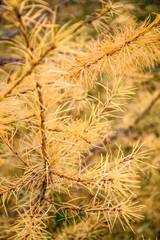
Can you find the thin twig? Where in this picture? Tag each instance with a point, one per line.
(22, 27)
(20, 120)
(83, 208)
(20, 183)
(13, 151)
(147, 110)
(4, 61)
(92, 179)
(90, 21)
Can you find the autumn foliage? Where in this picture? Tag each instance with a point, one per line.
(64, 91)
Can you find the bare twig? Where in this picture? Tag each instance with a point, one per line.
(4, 61)
(147, 109)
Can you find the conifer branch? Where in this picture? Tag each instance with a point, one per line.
(90, 21)
(17, 185)
(99, 177)
(14, 152)
(125, 130)
(40, 197)
(85, 22)
(83, 209)
(13, 34)
(80, 179)
(114, 48)
(67, 119)
(5, 61)
(9, 89)
(100, 209)
(76, 179)
(21, 119)
(94, 61)
(96, 117)
(42, 125)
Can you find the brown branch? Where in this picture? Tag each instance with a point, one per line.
(42, 126)
(74, 179)
(93, 179)
(37, 203)
(103, 210)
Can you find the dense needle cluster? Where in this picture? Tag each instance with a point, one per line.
(58, 104)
